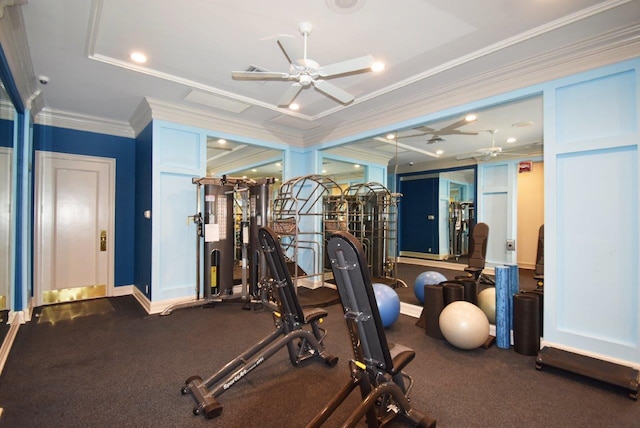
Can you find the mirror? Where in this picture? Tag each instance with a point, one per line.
(438, 160)
(7, 116)
(237, 159)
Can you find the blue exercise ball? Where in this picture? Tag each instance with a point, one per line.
(388, 303)
(426, 278)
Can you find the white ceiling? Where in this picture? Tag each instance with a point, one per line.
(437, 53)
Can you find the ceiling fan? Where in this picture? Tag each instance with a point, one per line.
(305, 72)
(452, 129)
(487, 153)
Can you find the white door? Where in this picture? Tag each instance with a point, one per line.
(74, 227)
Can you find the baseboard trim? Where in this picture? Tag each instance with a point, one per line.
(432, 263)
(5, 349)
(123, 290)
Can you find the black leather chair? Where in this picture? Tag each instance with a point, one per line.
(538, 274)
(477, 254)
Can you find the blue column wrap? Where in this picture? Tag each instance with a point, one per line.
(503, 297)
(514, 288)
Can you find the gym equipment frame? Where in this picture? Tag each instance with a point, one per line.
(216, 226)
(375, 369)
(290, 321)
(372, 219)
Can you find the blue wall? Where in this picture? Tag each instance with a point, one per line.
(6, 133)
(123, 150)
(143, 202)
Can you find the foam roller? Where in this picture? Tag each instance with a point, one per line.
(433, 305)
(526, 324)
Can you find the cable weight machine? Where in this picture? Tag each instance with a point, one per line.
(216, 225)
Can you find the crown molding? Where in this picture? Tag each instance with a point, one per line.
(62, 119)
(190, 116)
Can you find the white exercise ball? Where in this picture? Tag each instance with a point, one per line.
(487, 302)
(464, 325)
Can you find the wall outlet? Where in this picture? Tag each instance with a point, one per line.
(511, 244)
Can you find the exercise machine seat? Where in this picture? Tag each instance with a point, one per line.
(296, 329)
(377, 368)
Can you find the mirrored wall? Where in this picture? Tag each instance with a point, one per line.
(433, 169)
(7, 116)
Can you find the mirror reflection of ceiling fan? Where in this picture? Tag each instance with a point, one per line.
(452, 129)
(487, 153)
(305, 72)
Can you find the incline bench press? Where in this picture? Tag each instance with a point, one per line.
(290, 321)
(375, 369)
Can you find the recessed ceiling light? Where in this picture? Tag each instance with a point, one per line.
(324, 171)
(254, 170)
(345, 6)
(294, 106)
(138, 57)
(470, 117)
(377, 66)
(511, 140)
(222, 141)
(356, 166)
(439, 152)
(391, 136)
(278, 164)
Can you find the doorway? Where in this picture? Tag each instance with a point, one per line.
(74, 227)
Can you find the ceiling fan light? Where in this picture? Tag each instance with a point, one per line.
(512, 140)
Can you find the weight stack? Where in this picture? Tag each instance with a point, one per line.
(526, 324)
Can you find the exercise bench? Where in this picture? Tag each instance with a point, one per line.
(376, 367)
(296, 328)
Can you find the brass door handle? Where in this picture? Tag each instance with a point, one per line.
(103, 240)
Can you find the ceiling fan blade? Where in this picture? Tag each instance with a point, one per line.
(456, 132)
(290, 95)
(333, 91)
(453, 126)
(259, 75)
(469, 156)
(350, 66)
(289, 48)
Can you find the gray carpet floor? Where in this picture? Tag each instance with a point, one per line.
(113, 365)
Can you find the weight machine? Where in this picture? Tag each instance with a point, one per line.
(218, 227)
(371, 211)
(461, 220)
